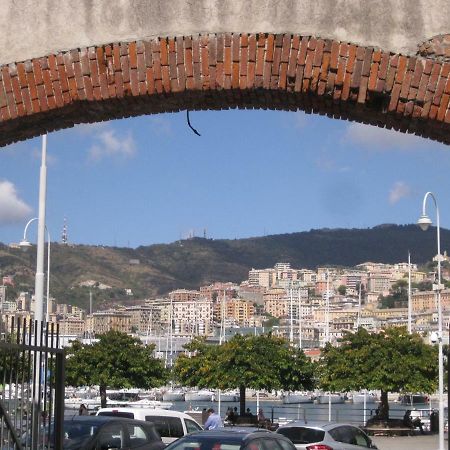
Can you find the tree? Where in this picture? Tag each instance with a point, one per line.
(398, 296)
(342, 289)
(115, 361)
(257, 362)
(390, 361)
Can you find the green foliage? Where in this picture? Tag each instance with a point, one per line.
(390, 361)
(116, 361)
(398, 298)
(258, 362)
(271, 321)
(342, 289)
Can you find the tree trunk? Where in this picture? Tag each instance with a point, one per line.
(103, 396)
(383, 413)
(242, 400)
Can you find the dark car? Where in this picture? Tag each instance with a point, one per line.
(102, 433)
(232, 439)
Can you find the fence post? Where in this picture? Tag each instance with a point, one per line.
(59, 400)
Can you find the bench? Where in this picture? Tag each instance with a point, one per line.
(389, 431)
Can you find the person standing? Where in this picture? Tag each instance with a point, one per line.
(214, 421)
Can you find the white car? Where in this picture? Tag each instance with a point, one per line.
(170, 425)
(326, 436)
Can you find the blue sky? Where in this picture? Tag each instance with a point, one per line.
(151, 180)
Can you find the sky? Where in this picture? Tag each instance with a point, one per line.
(150, 179)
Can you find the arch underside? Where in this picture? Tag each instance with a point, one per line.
(220, 71)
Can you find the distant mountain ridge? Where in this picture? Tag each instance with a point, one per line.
(198, 261)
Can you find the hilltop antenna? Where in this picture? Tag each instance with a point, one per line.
(64, 235)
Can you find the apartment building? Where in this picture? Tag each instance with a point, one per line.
(192, 317)
(423, 301)
(112, 320)
(71, 326)
(184, 295)
(219, 290)
(380, 282)
(239, 310)
(276, 303)
(262, 277)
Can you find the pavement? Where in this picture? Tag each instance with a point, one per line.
(428, 442)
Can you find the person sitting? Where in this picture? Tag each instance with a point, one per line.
(412, 423)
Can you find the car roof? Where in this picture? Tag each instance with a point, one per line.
(103, 419)
(319, 425)
(243, 432)
(147, 411)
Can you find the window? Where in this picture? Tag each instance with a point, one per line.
(255, 444)
(170, 427)
(191, 426)
(110, 436)
(361, 438)
(127, 415)
(302, 435)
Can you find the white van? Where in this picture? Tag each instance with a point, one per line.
(170, 425)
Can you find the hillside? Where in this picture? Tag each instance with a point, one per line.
(191, 263)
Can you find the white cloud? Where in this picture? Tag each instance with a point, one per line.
(12, 208)
(375, 138)
(398, 191)
(109, 144)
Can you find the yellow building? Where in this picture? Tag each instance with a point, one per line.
(426, 301)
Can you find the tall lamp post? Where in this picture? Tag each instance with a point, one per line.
(424, 222)
(25, 244)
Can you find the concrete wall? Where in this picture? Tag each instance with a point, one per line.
(34, 28)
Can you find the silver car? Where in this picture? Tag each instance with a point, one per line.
(326, 436)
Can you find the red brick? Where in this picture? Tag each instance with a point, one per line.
(401, 69)
(132, 52)
(286, 47)
(227, 61)
(373, 77)
(270, 47)
(394, 97)
(363, 90)
(334, 55)
(302, 53)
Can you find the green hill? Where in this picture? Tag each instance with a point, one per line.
(195, 262)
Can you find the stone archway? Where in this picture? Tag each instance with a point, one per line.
(226, 70)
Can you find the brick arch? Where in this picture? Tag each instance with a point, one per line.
(281, 71)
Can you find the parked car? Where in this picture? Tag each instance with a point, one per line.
(94, 432)
(326, 436)
(170, 425)
(235, 438)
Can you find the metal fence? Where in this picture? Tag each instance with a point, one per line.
(32, 385)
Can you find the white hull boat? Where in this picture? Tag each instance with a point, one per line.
(297, 397)
(198, 396)
(329, 398)
(176, 395)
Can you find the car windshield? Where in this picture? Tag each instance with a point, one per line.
(207, 443)
(76, 434)
(302, 435)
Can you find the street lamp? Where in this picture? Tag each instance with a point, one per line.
(424, 222)
(25, 244)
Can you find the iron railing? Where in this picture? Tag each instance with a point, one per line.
(32, 385)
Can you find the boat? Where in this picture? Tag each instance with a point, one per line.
(173, 395)
(358, 397)
(199, 396)
(226, 396)
(329, 398)
(147, 403)
(297, 397)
